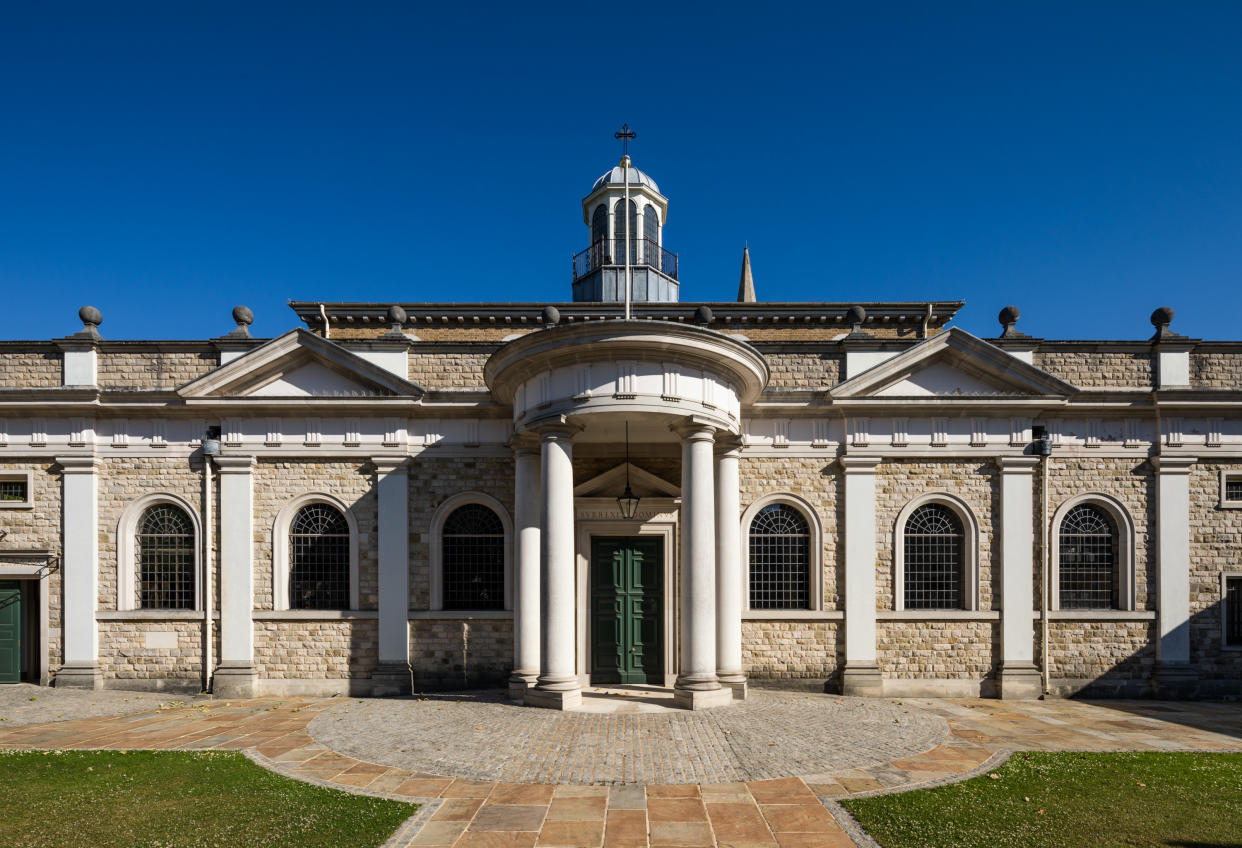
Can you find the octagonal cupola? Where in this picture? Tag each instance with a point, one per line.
(616, 239)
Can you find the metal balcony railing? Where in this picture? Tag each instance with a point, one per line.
(611, 252)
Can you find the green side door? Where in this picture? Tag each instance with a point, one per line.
(627, 609)
(10, 632)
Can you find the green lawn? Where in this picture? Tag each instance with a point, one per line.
(177, 799)
(1041, 800)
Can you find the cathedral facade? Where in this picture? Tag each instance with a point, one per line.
(623, 489)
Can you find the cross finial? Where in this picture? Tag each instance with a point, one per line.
(625, 135)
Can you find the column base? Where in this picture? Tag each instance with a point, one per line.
(234, 680)
(862, 680)
(392, 679)
(552, 699)
(1020, 681)
(519, 684)
(702, 699)
(736, 682)
(79, 676)
(1175, 682)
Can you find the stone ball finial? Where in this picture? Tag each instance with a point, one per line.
(396, 315)
(1162, 317)
(855, 316)
(551, 316)
(703, 315)
(91, 317)
(243, 316)
(1009, 316)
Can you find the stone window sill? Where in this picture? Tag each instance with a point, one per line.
(313, 615)
(793, 615)
(1100, 615)
(459, 615)
(938, 615)
(152, 615)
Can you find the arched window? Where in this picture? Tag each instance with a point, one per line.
(1088, 559)
(651, 236)
(165, 549)
(779, 558)
(933, 561)
(319, 573)
(618, 232)
(599, 224)
(473, 559)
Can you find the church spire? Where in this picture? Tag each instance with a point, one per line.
(746, 287)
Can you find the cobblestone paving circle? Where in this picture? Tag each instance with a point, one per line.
(770, 735)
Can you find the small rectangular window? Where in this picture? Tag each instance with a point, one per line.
(1231, 488)
(14, 490)
(1233, 611)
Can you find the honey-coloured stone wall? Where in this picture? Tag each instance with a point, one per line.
(1104, 657)
(315, 649)
(152, 370)
(460, 653)
(1216, 370)
(939, 650)
(1098, 369)
(803, 370)
(127, 658)
(791, 650)
(1215, 548)
(29, 368)
(453, 370)
(38, 528)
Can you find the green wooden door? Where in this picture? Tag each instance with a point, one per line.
(627, 609)
(10, 632)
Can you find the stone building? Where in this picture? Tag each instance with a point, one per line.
(692, 495)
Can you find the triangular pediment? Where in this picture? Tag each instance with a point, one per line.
(611, 484)
(299, 364)
(953, 364)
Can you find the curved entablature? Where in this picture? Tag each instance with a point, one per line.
(627, 367)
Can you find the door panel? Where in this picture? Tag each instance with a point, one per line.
(10, 632)
(627, 609)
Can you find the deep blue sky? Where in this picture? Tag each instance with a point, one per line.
(166, 161)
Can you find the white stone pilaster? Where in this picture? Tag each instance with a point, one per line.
(80, 570)
(1019, 678)
(557, 685)
(235, 677)
(861, 675)
(527, 502)
(1175, 677)
(392, 673)
(729, 587)
(697, 686)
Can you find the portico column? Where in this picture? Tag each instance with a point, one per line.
(729, 571)
(1175, 677)
(862, 674)
(526, 507)
(392, 673)
(557, 685)
(235, 677)
(80, 571)
(1019, 678)
(697, 686)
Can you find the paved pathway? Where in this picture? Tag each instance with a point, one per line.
(770, 813)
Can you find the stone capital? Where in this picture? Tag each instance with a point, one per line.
(694, 429)
(389, 464)
(1017, 464)
(78, 464)
(234, 464)
(853, 464)
(1173, 464)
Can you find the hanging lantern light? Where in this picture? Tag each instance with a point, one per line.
(628, 502)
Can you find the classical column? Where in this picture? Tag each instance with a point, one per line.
(697, 686)
(392, 674)
(729, 571)
(1175, 676)
(1019, 678)
(235, 677)
(557, 685)
(861, 675)
(527, 498)
(80, 570)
